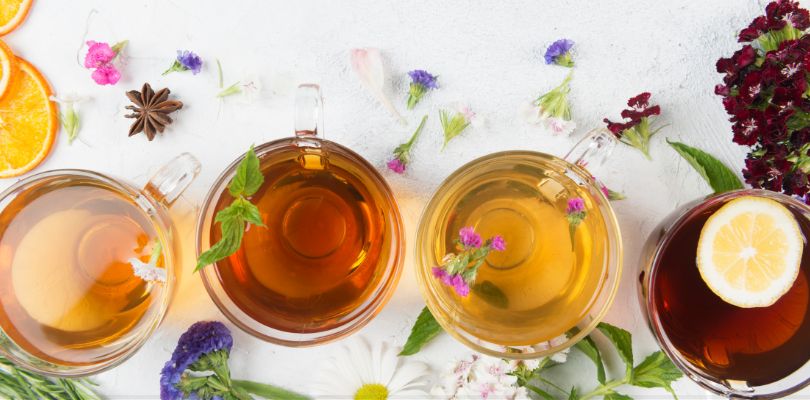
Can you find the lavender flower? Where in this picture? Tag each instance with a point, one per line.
(458, 271)
(560, 53)
(402, 154)
(186, 61)
(421, 82)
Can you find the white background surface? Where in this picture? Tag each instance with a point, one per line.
(488, 54)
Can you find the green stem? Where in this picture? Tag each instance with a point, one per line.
(552, 385)
(268, 391)
(604, 389)
(417, 132)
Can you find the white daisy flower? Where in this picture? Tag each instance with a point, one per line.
(371, 372)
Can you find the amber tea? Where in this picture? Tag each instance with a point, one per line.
(324, 246)
(543, 284)
(69, 294)
(751, 346)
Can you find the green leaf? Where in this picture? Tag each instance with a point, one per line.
(250, 213)
(656, 371)
(230, 90)
(491, 294)
(540, 392)
(219, 73)
(588, 347)
(233, 229)
(574, 395)
(716, 174)
(617, 396)
(612, 195)
(423, 331)
(116, 48)
(622, 340)
(70, 122)
(248, 178)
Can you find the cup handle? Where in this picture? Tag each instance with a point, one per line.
(172, 179)
(308, 111)
(593, 149)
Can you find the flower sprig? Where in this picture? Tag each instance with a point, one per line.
(637, 129)
(149, 271)
(17, 383)
(185, 61)
(421, 83)
(455, 122)
(68, 116)
(575, 213)
(101, 59)
(402, 153)
(552, 110)
(199, 368)
(234, 218)
(459, 270)
(559, 53)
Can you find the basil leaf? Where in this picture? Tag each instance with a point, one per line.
(424, 330)
(248, 178)
(622, 340)
(616, 396)
(657, 370)
(588, 347)
(491, 294)
(716, 174)
(233, 229)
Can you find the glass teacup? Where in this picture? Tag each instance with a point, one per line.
(87, 266)
(332, 249)
(741, 353)
(550, 287)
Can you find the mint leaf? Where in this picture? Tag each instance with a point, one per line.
(616, 396)
(248, 178)
(233, 229)
(716, 174)
(622, 340)
(656, 371)
(491, 294)
(588, 347)
(424, 330)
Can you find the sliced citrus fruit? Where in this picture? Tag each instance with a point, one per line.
(28, 122)
(12, 14)
(750, 251)
(8, 68)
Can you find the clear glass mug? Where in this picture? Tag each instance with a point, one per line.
(88, 311)
(679, 308)
(333, 222)
(543, 285)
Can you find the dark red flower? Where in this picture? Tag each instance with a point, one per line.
(617, 127)
(757, 27)
(640, 101)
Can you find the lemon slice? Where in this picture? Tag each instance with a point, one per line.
(750, 251)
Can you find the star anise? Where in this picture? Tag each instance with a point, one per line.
(151, 110)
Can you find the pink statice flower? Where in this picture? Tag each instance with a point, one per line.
(459, 271)
(402, 153)
(575, 205)
(396, 165)
(469, 238)
(497, 243)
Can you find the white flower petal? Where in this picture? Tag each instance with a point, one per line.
(408, 375)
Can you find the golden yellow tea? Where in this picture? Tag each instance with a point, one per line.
(543, 284)
(324, 246)
(69, 294)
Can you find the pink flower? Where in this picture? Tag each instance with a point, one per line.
(439, 273)
(99, 54)
(575, 205)
(460, 285)
(469, 238)
(498, 244)
(396, 165)
(106, 75)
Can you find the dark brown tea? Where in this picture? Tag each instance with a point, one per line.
(757, 346)
(323, 250)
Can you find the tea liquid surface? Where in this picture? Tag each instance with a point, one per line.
(542, 285)
(753, 345)
(317, 259)
(67, 291)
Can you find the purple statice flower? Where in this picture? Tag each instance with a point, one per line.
(186, 61)
(190, 61)
(421, 83)
(497, 243)
(559, 53)
(461, 286)
(396, 165)
(575, 205)
(202, 338)
(469, 238)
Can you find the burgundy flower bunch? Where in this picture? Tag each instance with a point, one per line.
(764, 91)
(636, 130)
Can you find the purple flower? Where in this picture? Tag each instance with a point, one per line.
(200, 339)
(575, 205)
(424, 79)
(469, 238)
(459, 285)
(190, 61)
(396, 165)
(559, 53)
(498, 244)
(439, 273)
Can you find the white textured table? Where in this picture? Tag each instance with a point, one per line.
(489, 54)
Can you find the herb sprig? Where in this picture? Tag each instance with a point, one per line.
(16, 383)
(234, 219)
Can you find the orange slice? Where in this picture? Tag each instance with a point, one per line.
(12, 14)
(8, 68)
(28, 122)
